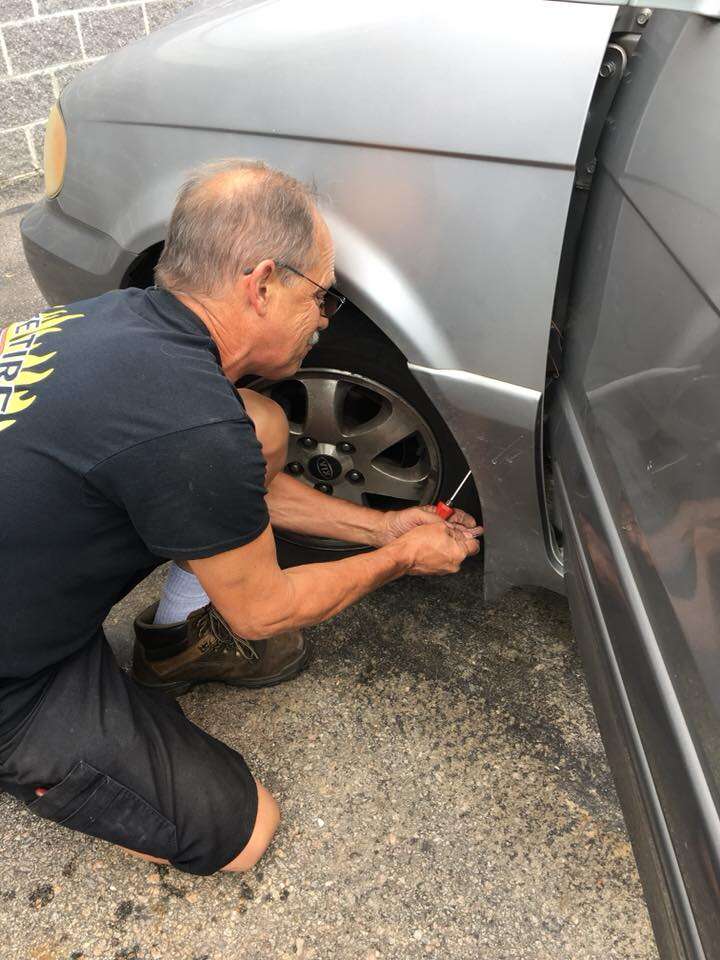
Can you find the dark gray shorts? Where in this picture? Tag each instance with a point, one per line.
(126, 765)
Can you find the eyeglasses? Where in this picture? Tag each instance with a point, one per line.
(329, 303)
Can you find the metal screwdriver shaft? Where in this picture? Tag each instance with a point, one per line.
(443, 508)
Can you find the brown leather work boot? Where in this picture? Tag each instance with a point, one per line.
(175, 657)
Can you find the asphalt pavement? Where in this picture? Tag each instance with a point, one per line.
(444, 790)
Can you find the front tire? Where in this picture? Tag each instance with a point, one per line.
(362, 428)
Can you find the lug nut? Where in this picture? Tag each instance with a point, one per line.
(324, 487)
(294, 468)
(306, 442)
(345, 447)
(354, 476)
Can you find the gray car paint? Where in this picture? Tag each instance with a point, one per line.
(638, 450)
(445, 144)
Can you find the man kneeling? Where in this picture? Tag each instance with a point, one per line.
(135, 448)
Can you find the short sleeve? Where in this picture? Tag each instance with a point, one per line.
(192, 493)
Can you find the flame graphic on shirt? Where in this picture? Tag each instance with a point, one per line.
(19, 361)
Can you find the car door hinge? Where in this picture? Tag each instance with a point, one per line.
(610, 74)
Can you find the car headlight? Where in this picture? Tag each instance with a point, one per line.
(55, 152)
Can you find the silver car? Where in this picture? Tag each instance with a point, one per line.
(525, 202)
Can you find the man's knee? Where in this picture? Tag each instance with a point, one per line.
(271, 428)
(266, 823)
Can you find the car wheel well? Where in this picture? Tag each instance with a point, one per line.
(141, 273)
(351, 340)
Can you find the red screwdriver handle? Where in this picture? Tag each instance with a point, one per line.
(443, 510)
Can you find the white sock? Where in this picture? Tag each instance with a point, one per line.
(181, 595)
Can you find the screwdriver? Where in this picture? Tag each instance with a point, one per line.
(443, 508)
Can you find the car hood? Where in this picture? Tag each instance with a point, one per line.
(441, 78)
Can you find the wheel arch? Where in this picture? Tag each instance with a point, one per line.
(141, 272)
(373, 284)
(374, 289)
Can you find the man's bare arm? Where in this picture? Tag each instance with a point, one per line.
(258, 599)
(295, 506)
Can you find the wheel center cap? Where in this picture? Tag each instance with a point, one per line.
(324, 468)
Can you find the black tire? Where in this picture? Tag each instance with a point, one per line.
(356, 346)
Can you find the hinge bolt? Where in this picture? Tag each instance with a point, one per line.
(643, 17)
(607, 69)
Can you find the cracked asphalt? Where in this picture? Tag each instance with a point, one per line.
(444, 791)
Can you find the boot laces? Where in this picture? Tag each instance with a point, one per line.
(210, 621)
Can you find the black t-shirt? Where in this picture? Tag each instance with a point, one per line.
(122, 444)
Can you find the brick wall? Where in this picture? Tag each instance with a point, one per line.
(43, 45)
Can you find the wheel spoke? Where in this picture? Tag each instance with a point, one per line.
(323, 418)
(334, 403)
(402, 483)
(388, 427)
(352, 492)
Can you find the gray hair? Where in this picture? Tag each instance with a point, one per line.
(217, 232)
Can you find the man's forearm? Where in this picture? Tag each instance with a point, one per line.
(259, 599)
(320, 594)
(295, 506)
(306, 595)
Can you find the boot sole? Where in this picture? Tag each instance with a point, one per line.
(177, 688)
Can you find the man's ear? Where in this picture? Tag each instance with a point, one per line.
(258, 285)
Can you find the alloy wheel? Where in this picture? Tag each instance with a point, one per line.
(354, 438)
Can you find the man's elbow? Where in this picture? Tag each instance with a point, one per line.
(265, 608)
(258, 625)
(259, 630)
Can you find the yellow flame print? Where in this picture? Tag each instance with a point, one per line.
(18, 360)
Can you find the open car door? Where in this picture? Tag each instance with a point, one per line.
(635, 444)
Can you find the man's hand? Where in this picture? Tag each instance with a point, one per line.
(396, 523)
(437, 548)
(297, 507)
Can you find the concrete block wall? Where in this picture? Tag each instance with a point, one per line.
(43, 45)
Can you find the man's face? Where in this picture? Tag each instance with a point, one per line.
(294, 320)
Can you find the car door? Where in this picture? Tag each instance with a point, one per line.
(635, 444)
